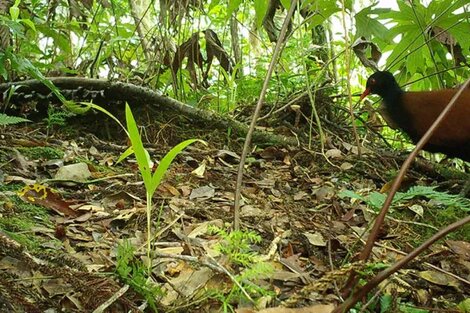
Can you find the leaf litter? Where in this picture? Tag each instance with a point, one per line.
(309, 234)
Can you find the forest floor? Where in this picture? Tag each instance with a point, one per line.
(75, 240)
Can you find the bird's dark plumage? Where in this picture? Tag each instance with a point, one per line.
(414, 112)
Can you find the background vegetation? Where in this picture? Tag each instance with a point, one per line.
(215, 53)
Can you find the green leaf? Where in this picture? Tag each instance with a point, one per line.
(14, 12)
(351, 194)
(285, 4)
(464, 306)
(386, 302)
(77, 108)
(261, 6)
(348, 5)
(143, 158)
(417, 58)
(325, 8)
(367, 26)
(8, 120)
(443, 9)
(139, 150)
(232, 6)
(213, 4)
(3, 70)
(458, 27)
(24, 65)
(60, 38)
(377, 199)
(28, 23)
(168, 158)
(401, 49)
(103, 110)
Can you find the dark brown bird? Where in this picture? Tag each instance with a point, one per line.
(414, 112)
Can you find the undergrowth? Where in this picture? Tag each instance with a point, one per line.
(133, 272)
(426, 209)
(237, 247)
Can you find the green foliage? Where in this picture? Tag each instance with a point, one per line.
(18, 218)
(406, 308)
(151, 182)
(261, 7)
(247, 280)
(36, 153)
(405, 33)
(133, 272)
(57, 117)
(386, 302)
(371, 27)
(376, 199)
(464, 306)
(236, 245)
(23, 65)
(443, 210)
(8, 120)
(443, 217)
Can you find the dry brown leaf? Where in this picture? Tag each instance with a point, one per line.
(45, 196)
(185, 190)
(333, 153)
(316, 239)
(171, 189)
(200, 170)
(204, 192)
(361, 47)
(462, 248)
(439, 278)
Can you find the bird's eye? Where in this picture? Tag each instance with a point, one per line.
(372, 81)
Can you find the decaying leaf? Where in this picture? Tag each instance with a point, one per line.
(361, 47)
(191, 49)
(448, 41)
(45, 196)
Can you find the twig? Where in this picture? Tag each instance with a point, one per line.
(362, 292)
(111, 300)
(249, 135)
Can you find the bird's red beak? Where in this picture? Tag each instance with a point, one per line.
(365, 93)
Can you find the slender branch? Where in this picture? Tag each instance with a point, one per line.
(277, 51)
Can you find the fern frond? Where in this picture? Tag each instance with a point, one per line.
(8, 120)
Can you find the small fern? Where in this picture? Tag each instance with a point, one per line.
(236, 245)
(441, 197)
(57, 117)
(8, 120)
(376, 199)
(132, 271)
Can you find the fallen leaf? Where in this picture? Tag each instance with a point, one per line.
(418, 209)
(439, 278)
(316, 239)
(462, 248)
(45, 196)
(204, 192)
(200, 170)
(333, 153)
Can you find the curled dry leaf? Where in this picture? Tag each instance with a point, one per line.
(360, 48)
(448, 41)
